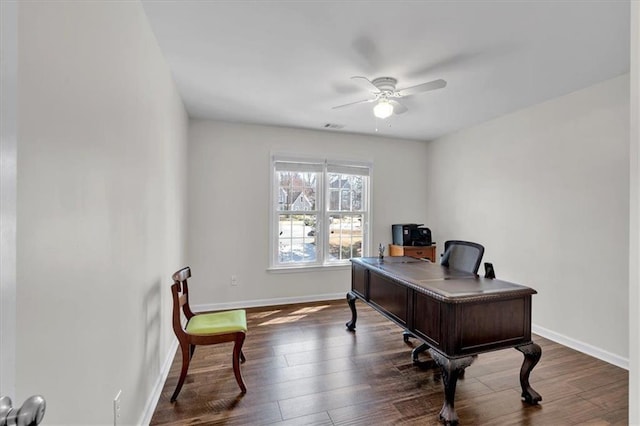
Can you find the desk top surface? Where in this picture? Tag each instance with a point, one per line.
(441, 282)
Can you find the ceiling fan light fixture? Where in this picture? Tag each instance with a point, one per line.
(383, 109)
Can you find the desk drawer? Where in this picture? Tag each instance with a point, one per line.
(390, 297)
(428, 252)
(427, 319)
(359, 280)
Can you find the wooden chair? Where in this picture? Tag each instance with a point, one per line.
(205, 329)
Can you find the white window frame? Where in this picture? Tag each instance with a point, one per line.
(324, 167)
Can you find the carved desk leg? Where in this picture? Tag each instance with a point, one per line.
(532, 353)
(351, 300)
(451, 369)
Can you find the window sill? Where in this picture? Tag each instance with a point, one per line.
(314, 268)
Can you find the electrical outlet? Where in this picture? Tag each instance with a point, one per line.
(116, 409)
(234, 280)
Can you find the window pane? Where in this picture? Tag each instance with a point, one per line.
(345, 237)
(346, 192)
(297, 190)
(320, 209)
(297, 238)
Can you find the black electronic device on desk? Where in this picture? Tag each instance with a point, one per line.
(411, 234)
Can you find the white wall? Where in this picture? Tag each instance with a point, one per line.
(546, 191)
(634, 231)
(229, 206)
(102, 137)
(8, 123)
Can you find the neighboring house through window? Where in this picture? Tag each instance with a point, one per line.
(320, 211)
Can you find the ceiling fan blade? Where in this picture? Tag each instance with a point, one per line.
(354, 103)
(368, 84)
(398, 108)
(424, 87)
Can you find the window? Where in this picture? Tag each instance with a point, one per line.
(320, 212)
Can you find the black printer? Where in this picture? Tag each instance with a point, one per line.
(411, 234)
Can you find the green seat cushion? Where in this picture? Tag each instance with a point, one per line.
(218, 323)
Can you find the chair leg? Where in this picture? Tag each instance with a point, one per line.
(417, 351)
(183, 373)
(237, 355)
(192, 349)
(242, 358)
(406, 335)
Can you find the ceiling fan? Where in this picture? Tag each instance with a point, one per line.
(385, 94)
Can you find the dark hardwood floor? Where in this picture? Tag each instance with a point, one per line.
(304, 367)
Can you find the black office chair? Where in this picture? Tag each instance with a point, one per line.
(462, 256)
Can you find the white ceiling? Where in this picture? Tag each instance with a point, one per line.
(286, 63)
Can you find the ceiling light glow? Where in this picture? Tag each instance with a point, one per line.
(383, 109)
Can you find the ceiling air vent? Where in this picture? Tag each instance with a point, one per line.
(333, 126)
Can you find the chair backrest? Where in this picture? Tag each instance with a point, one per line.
(462, 255)
(182, 275)
(180, 292)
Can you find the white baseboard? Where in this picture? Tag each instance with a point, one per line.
(268, 302)
(582, 347)
(152, 402)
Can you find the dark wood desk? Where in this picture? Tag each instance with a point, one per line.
(457, 314)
